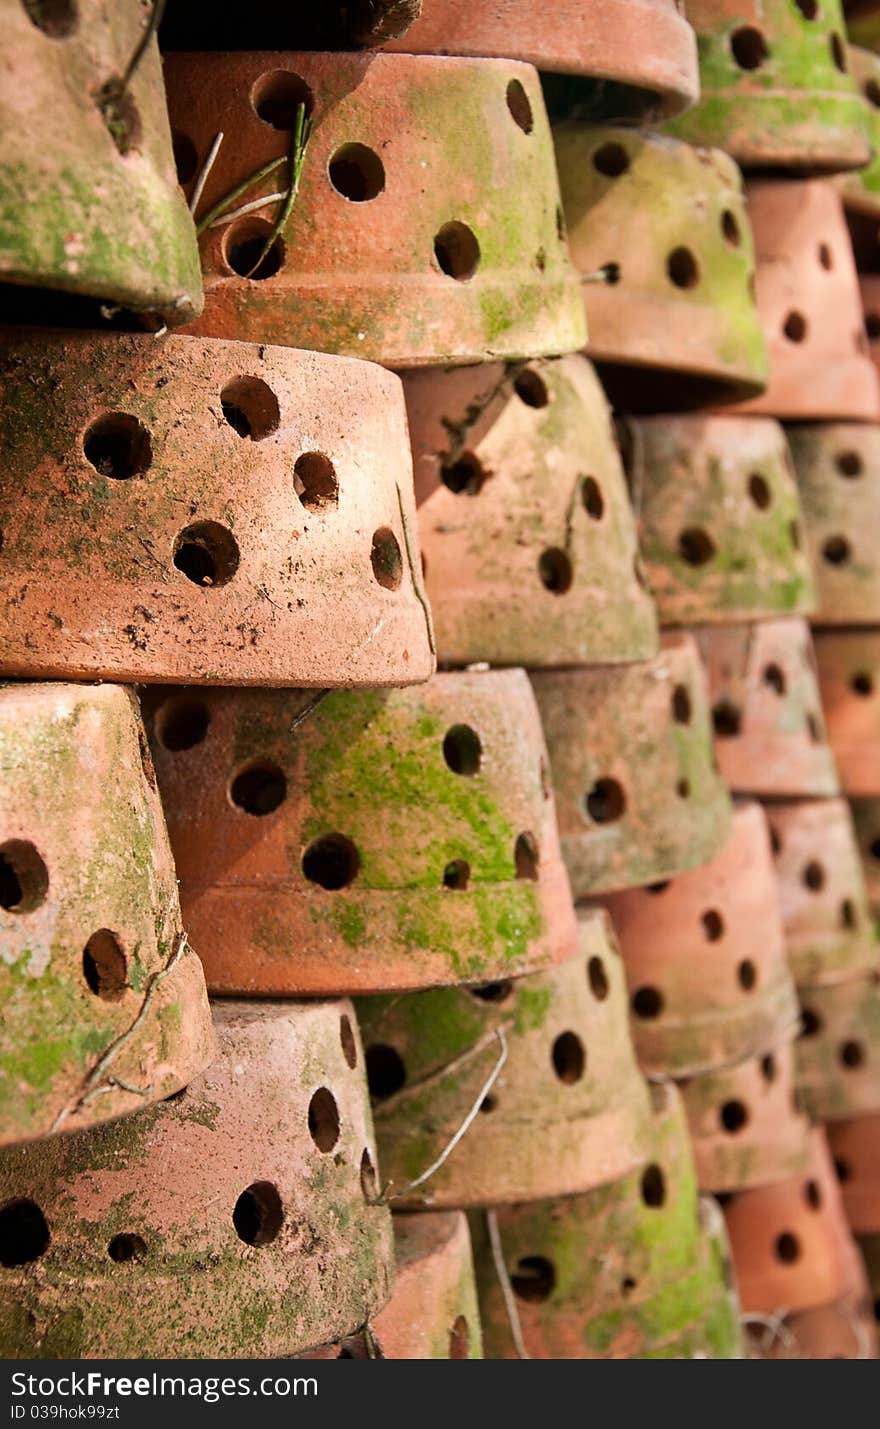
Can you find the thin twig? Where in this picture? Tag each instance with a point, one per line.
(299, 145)
(202, 179)
(506, 1287)
(776, 1326)
(416, 574)
(253, 207)
(242, 188)
(608, 273)
(141, 47)
(307, 709)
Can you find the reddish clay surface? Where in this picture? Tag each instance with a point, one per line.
(855, 1146)
(869, 287)
(838, 1052)
(849, 677)
(843, 1330)
(866, 814)
(838, 471)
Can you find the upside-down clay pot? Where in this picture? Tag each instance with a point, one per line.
(809, 305)
(792, 1248)
(236, 1220)
(368, 842)
(861, 190)
(746, 1122)
(866, 815)
(87, 186)
(838, 1051)
(569, 1109)
(829, 936)
(855, 1146)
(175, 509)
(525, 524)
(426, 227)
(703, 991)
(766, 709)
(717, 507)
(638, 797)
(838, 472)
(635, 1270)
(669, 305)
(640, 53)
(843, 1330)
(103, 1006)
(775, 86)
(849, 677)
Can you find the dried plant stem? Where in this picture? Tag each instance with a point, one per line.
(506, 1287)
(203, 176)
(298, 147)
(214, 213)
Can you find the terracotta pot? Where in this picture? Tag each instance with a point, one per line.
(669, 308)
(869, 287)
(370, 842)
(178, 510)
(746, 1122)
(403, 245)
(718, 505)
(843, 1330)
(866, 815)
(838, 1051)
(102, 1001)
(638, 796)
(568, 1111)
(869, 1245)
(766, 710)
(86, 170)
(191, 1229)
(702, 991)
(809, 305)
(775, 86)
(829, 935)
(792, 1248)
(837, 467)
(635, 1270)
(526, 528)
(849, 677)
(861, 190)
(855, 1146)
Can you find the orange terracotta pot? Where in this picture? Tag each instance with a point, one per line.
(174, 509)
(829, 934)
(191, 1228)
(838, 1051)
(837, 469)
(792, 1248)
(568, 1111)
(855, 1146)
(769, 735)
(849, 677)
(718, 506)
(669, 308)
(843, 1330)
(527, 533)
(866, 815)
(370, 842)
(103, 1006)
(702, 991)
(403, 244)
(638, 796)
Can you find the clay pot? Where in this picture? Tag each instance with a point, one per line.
(638, 797)
(855, 1146)
(102, 1001)
(178, 510)
(849, 677)
(718, 505)
(829, 935)
(426, 227)
(809, 305)
(525, 523)
(568, 1111)
(792, 1248)
(191, 1229)
(642, 50)
(869, 1245)
(869, 287)
(838, 1051)
(86, 170)
(769, 734)
(635, 1270)
(669, 305)
(837, 467)
(368, 842)
(861, 190)
(866, 816)
(702, 991)
(843, 1330)
(746, 1122)
(775, 87)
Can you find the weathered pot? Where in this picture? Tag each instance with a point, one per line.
(369, 842)
(426, 227)
(769, 733)
(703, 991)
(792, 1248)
(849, 677)
(87, 188)
(635, 1270)
(102, 1001)
(175, 509)
(235, 1220)
(861, 190)
(838, 1051)
(829, 934)
(838, 466)
(637, 793)
(843, 1330)
(866, 816)
(855, 1146)
(717, 508)
(568, 1111)
(669, 306)
(869, 288)
(525, 523)
(775, 86)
